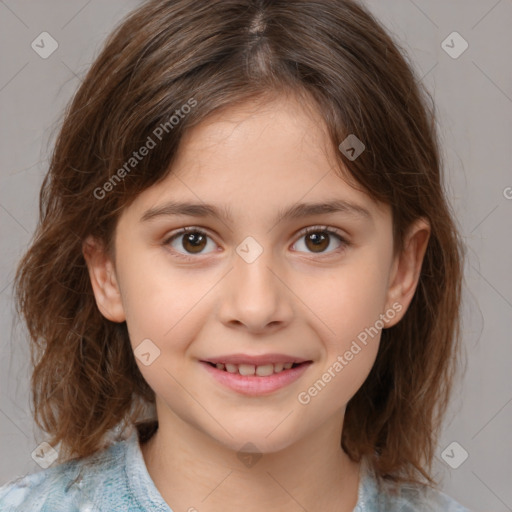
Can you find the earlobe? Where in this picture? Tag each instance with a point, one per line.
(103, 281)
(407, 268)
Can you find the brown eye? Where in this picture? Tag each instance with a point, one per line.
(317, 242)
(194, 242)
(188, 241)
(319, 239)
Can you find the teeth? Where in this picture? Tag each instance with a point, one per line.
(264, 370)
(249, 369)
(246, 369)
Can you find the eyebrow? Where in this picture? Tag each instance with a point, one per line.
(296, 211)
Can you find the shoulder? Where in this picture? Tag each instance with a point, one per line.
(69, 486)
(422, 499)
(377, 495)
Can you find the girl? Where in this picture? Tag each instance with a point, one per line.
(244, 288)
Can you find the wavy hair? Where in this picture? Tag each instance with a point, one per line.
(335, 55)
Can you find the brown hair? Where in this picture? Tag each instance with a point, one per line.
(221, 53)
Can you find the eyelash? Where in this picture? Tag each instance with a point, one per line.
(312, 229)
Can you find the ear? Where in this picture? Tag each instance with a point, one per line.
(406, 269)
(103, 280)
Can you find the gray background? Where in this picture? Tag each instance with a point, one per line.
(474, 98)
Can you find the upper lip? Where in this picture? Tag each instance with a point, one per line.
(255, 360)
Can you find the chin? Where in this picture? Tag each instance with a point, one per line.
(257, 441)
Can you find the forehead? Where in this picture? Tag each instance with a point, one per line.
(258, 157)
(280, 128)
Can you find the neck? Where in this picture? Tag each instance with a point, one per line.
(193, 471)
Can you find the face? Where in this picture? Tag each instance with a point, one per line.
(251, 282)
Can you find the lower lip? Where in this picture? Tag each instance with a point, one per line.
(253, 384)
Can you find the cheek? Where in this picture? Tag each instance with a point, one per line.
(152, 307)
(164, 314)
(347, 300)
(349, 307)
(156, 295)
(336, 383)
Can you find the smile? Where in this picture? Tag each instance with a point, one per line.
(255, 380)
(249, 369)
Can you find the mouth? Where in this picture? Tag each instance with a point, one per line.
(263, 370)
(259, 379)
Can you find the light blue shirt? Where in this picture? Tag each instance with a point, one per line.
(116, 480)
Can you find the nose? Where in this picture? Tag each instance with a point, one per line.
(254, 296)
